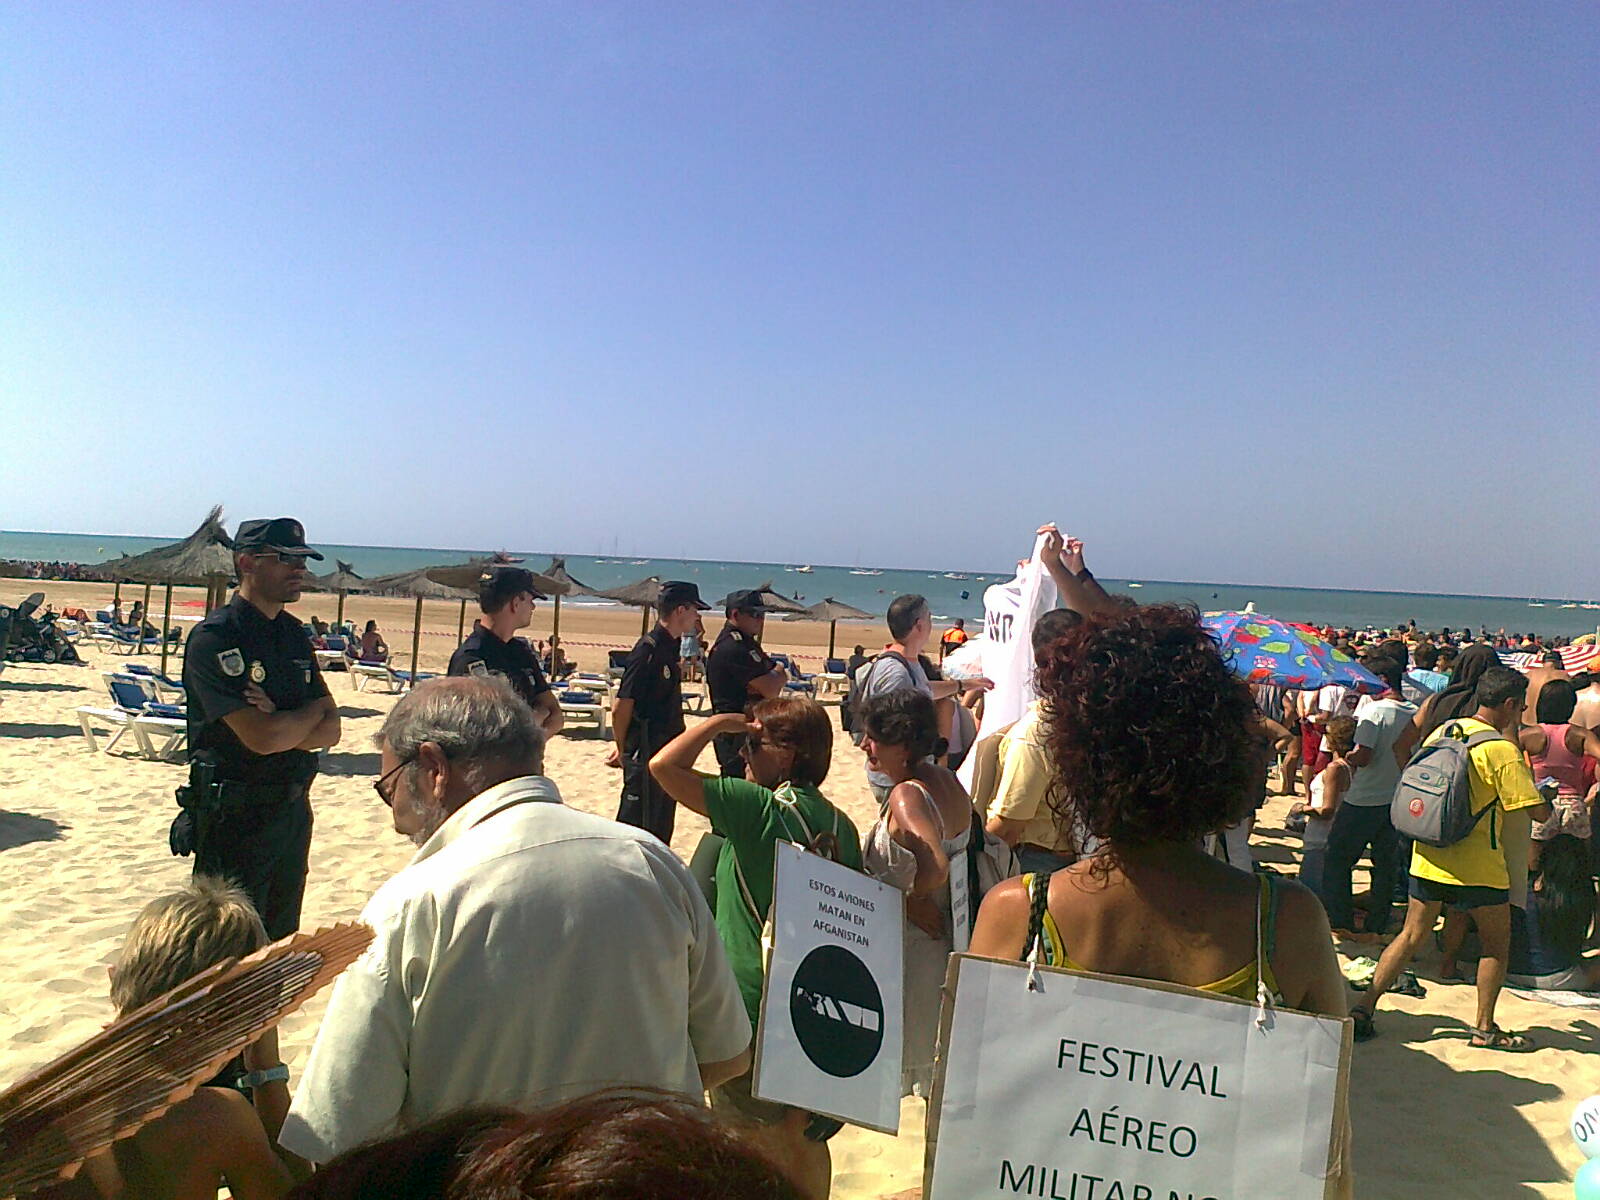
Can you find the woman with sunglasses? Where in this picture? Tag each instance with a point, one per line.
(787, 749)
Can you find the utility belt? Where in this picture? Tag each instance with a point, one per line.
(204, 798)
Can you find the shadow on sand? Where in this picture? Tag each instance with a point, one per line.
(21, 829)
(347, 763)
(25, 730)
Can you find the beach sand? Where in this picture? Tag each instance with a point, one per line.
(83, 845)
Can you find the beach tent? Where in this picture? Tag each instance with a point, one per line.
(641, 594)
(832, 611)
(205, 558)
(342, 580)
(419, 587)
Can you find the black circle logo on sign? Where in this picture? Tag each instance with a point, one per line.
(837, 1011)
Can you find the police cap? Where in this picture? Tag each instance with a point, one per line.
(277, 535)
(675, 594)
(500, 584)
(747, 600)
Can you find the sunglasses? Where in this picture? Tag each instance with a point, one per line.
(387, 794)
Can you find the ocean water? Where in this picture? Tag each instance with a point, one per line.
(951, 594)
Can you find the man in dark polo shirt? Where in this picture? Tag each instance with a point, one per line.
(258, 713)
(648, 710)
(506, 596)
(739, 671)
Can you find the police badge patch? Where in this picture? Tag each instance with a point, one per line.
(479, 668)
(666, 672)
(755, 656)
(231, 662)
(258, 673)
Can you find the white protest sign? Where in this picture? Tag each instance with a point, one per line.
(1092, 1088)
(960, 905)
(830, 1036)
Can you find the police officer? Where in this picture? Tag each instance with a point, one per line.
(648, 710)
(258, 713)
(506, 596)
(739, 671)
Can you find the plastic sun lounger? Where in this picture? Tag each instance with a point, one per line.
(586, 706)
(363, 673)
(160, 688)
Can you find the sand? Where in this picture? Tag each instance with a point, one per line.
(83, 846)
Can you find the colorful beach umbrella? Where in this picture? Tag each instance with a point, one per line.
(1261, 649)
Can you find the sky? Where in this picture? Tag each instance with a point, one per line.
(1282, 292)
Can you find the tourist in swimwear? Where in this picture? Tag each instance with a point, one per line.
(1155, 745)
(224, 1133)
(373, 647)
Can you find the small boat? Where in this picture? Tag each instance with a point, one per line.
(639, 562)
(802, 570)
(953, 575)
(1532, 603)
(1570, 604)
(1136, 585)
(862, 571)
(1590, 604)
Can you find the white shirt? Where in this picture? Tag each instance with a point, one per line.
(528, 954)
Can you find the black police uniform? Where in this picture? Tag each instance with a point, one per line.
(652, 680)
(735, 661)
(256, 828)
(485, 654)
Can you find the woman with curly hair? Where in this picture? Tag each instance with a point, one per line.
(1155, 744)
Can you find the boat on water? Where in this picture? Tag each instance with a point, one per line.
(860, 571)
(802, 570)
(1570, 604)
(953, 575)
(1532, 603)
(1136, 585)
(1590, 604)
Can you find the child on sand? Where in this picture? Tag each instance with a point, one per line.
(1327, 790)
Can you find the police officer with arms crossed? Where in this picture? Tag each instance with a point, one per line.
(739, 671)
(258, 713)
(648, 710)
(506, 596)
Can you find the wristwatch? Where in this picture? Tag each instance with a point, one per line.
(277, 1074)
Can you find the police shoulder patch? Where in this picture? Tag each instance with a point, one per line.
(736, 635)
(478, 668)
(231, 662)
(755, 656)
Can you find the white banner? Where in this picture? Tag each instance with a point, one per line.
(830, 1036)
(1092, 1088)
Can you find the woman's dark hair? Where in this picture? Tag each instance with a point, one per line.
(1387, 669)
(1457, 699)
(1564, 903)
(1152, 737)
(1558, 700)
(420, 1164)
(905, 717)
(799, 724)
(608, 1146)
(372, 627)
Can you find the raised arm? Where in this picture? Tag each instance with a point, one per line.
(673, 765)
(1079, 589)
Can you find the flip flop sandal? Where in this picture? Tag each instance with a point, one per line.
(1365, 1030)
(1495, 1038)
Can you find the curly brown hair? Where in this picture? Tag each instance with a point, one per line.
(1152, 736)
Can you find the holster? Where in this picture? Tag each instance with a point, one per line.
(198, 800)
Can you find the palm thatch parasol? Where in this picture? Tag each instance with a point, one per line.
(416, 584)
(832, 611)
(641, 594)
(566, 585)
(343, 579)
(204, 557)
(137, 1068)
(772, 601)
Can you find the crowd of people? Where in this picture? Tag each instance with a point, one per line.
(554, 1003)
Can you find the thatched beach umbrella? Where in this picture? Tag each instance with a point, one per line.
(343, 579)
(641, 594)
(205, 557)
(772, 601)
(468, 575)
(563, 585)
(832, 611)
(417, 585)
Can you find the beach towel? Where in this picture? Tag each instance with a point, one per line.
(1559, 999)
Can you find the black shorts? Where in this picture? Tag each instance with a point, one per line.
(1457, 895)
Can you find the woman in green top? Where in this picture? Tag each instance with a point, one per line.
(788, 746)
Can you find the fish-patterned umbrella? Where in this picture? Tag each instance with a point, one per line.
(1261, 649)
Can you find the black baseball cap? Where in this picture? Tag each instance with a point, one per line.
(675, 593)
(746, 600)
(277, 535)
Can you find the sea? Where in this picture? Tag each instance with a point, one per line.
(950, 593)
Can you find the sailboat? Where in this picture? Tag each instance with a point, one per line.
(1532, 603)
(862, 571)
(801, 570)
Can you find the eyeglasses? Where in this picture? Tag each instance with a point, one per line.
(752, 743)
(387, 794)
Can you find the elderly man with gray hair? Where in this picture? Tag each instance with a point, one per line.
(528, 954)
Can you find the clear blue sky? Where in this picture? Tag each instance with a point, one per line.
(1282, 292)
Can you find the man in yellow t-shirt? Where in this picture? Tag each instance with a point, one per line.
(1472, 873)
(1018, 813)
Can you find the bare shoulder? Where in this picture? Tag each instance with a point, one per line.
(1002, 922)
(1300, 912)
